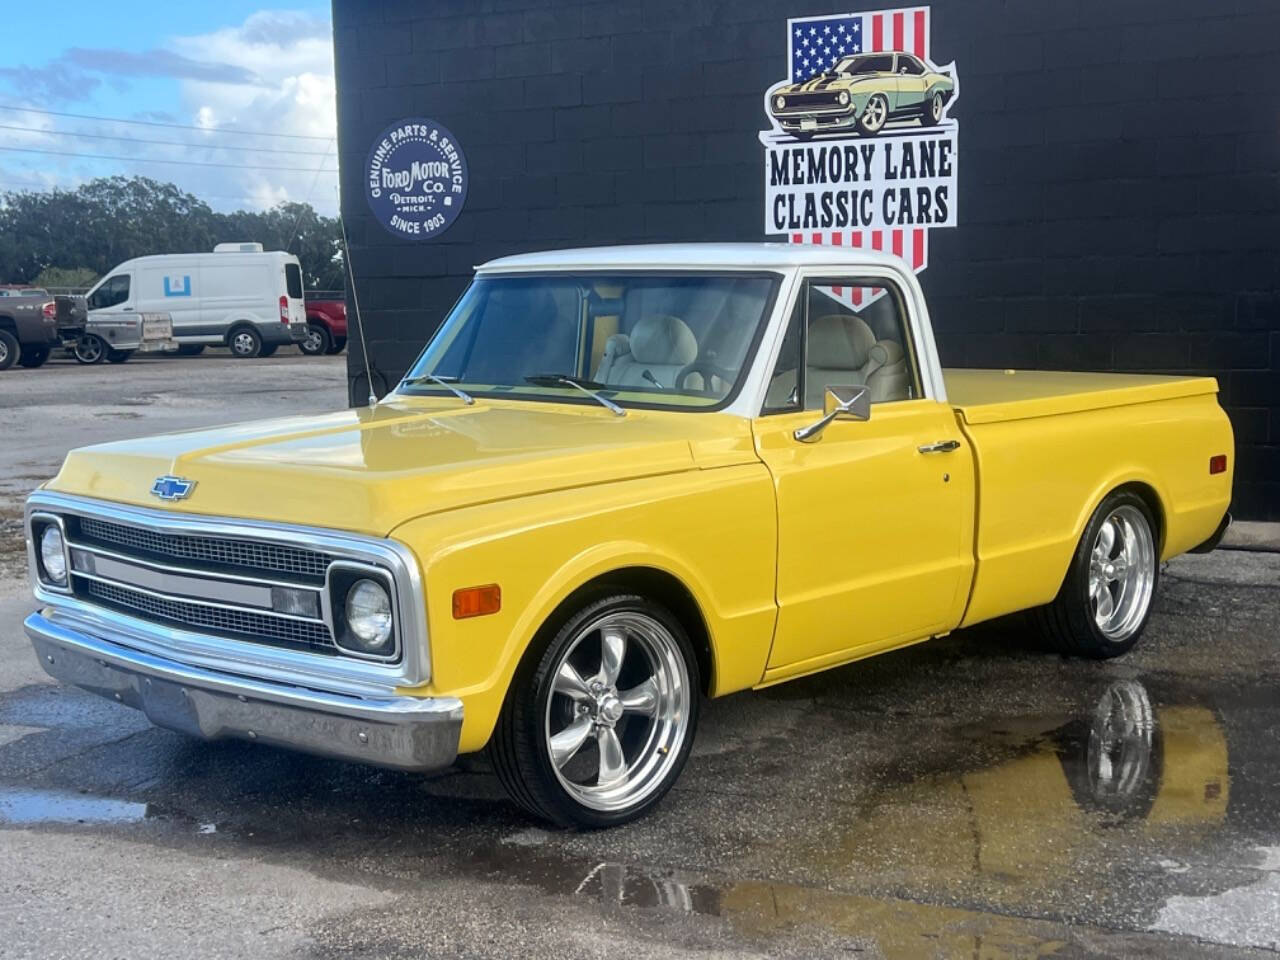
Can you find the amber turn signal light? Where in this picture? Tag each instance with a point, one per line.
(1218, 464)
(477, 601)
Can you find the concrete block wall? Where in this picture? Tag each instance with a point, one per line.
(1119, 168)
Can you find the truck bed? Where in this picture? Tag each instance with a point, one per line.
(997, 396)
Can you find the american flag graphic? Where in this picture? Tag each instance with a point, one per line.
(816, 44)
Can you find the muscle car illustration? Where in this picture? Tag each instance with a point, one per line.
(863, 93)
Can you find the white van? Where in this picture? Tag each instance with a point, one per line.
(238, 296)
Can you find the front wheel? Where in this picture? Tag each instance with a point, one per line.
(10, 350)
(90, 349)
(596, 730)
(1105, 601)
(874, 116)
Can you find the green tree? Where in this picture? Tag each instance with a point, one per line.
(112, 219)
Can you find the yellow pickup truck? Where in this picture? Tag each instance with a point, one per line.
(614, 481)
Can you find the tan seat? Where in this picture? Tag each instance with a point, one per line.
(659, 345)
(843, 351)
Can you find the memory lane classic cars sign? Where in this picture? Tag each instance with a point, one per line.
(416, 179)
(861, 149)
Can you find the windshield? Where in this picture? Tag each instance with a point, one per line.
(873, 63)
(680, 340)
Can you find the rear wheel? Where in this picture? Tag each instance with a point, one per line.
(245, 343)
(118, 356)
(33, 357)
(932, 114)
(317, 342)
(190, 349)
(90, 349)
(1105, 600)
(267, 349)
(597, 729)
(10, 351)
(338, 344)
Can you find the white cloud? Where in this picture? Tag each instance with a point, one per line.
(289, 55)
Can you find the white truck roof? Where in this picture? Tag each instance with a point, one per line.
(719, 256)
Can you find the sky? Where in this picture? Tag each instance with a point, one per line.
(242, 95)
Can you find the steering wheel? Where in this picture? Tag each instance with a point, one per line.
(706, 368)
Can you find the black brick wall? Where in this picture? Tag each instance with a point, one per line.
(1119, 169)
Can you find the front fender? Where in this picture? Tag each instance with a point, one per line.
(712, 530)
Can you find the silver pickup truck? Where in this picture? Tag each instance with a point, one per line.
(33, 323)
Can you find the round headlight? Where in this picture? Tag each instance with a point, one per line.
(843, 98)
(52, 556)
(368, 612)
(779, 102)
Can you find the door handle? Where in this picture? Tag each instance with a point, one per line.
(127, 309)
(942, 446)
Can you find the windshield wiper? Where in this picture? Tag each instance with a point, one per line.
(589, 387)
(446, 382)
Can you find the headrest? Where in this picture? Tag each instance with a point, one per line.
(665, 340)
(887, 352)
(839, 342)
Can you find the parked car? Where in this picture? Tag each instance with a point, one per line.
(326, 325)
(238, 296)
(862, 93)
(33, 324)
(616, 479)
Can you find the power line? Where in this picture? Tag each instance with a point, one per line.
(185, 163)
(158, 123)
(167, 143)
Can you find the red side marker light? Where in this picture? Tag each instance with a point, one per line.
(1218, 464)
(477, 601)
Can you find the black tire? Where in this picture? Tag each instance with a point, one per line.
(33, 357)
(268, 349)
(520, 749)
(10, 350)
(245, 343)
(118, 356)
(931, 114)
(190, 349)
(90, 349)
(1070, 624)
(339, 345)
(317, 341)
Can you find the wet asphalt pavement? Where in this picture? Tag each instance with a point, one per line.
(969, 796)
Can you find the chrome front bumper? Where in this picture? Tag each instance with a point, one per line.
(405, 733)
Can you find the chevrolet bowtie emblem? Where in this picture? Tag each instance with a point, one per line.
(172, 488)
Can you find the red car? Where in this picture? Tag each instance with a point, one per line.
(326, 325)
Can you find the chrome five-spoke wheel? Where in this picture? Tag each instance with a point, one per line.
(1106, 597)
(1121, 572)
(619, 707)
(600, 719)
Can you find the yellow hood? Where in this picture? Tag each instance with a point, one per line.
(369, 470)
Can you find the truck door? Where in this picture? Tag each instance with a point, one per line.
(875, 517)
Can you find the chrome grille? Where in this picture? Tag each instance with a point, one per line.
(244, 554)
(307, 634)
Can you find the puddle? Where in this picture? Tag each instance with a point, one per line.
(25, 807)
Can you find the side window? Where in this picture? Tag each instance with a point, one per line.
(858, 334)
(910, 66)
(850, 332)
(114, 290)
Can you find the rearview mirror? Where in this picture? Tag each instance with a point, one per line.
(839, 403)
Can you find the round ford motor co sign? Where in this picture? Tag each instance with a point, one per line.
(416, 179)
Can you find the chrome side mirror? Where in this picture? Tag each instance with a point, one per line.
(839, 403)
